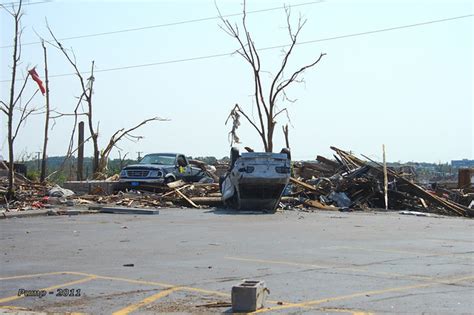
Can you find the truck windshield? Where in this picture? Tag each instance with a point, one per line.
(163, 159)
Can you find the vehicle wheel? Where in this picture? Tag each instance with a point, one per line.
(234, 155)
(169, 179)
(287, 152)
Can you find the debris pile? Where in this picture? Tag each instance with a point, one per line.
(349, 183)
(346, 183)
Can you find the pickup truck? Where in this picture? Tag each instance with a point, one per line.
(159, 169)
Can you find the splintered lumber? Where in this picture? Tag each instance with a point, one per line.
(186, 198)
(318, 205)
(176, 184)
(348, 158)
(303, 184)
(173, 191)
(420, 192)
(447, 204)
(329, 162)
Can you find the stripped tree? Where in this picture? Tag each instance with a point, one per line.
(86, 96)
(100, 158)
(15, 103)
(47, 114)
(266, 101)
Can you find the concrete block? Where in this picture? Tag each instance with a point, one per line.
(249, 296)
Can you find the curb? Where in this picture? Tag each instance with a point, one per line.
(41, 212)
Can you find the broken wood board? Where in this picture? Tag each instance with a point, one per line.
(187, 199)
(318, 205)
(176, 184)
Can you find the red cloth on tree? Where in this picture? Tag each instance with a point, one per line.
(36, 78)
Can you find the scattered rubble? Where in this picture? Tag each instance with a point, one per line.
(346, 183)
(349, 182)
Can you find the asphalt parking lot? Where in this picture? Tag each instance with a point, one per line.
(181, 260)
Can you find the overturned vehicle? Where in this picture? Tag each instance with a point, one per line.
(256, 180)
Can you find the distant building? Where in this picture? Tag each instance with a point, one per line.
(464, 163)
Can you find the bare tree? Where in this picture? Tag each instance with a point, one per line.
(122, 158)
(47, 112)
(116, 137)
(266, 104)
(86, 95)
(14, 104)
(100, 159)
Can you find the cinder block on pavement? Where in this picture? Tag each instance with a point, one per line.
(249, 296)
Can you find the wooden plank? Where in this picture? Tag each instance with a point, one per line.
(329, 162)
(187, 199)
(173, 191)
(316, 204)
(176, 184)
(303, 184)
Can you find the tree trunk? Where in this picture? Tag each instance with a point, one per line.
(11, 171)
(287, 137)
(94, 135)
(271, 128)
(46, 124)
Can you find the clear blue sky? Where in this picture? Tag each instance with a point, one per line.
(410, 89)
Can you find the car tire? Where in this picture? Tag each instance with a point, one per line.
(169, 179)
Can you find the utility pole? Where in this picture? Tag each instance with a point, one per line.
(80, 152)
(139, 155)
(385, 178)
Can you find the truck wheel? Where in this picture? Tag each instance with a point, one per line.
(234, 155)
(169, 179)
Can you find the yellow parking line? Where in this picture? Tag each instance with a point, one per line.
(13, 308)
(160, 284)
(16, 297)
(357, 270)
(359, 294)
(166, 285)
(94, 276)
(344, 310)
(146, 301)
(206, 291)
(34, 275)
